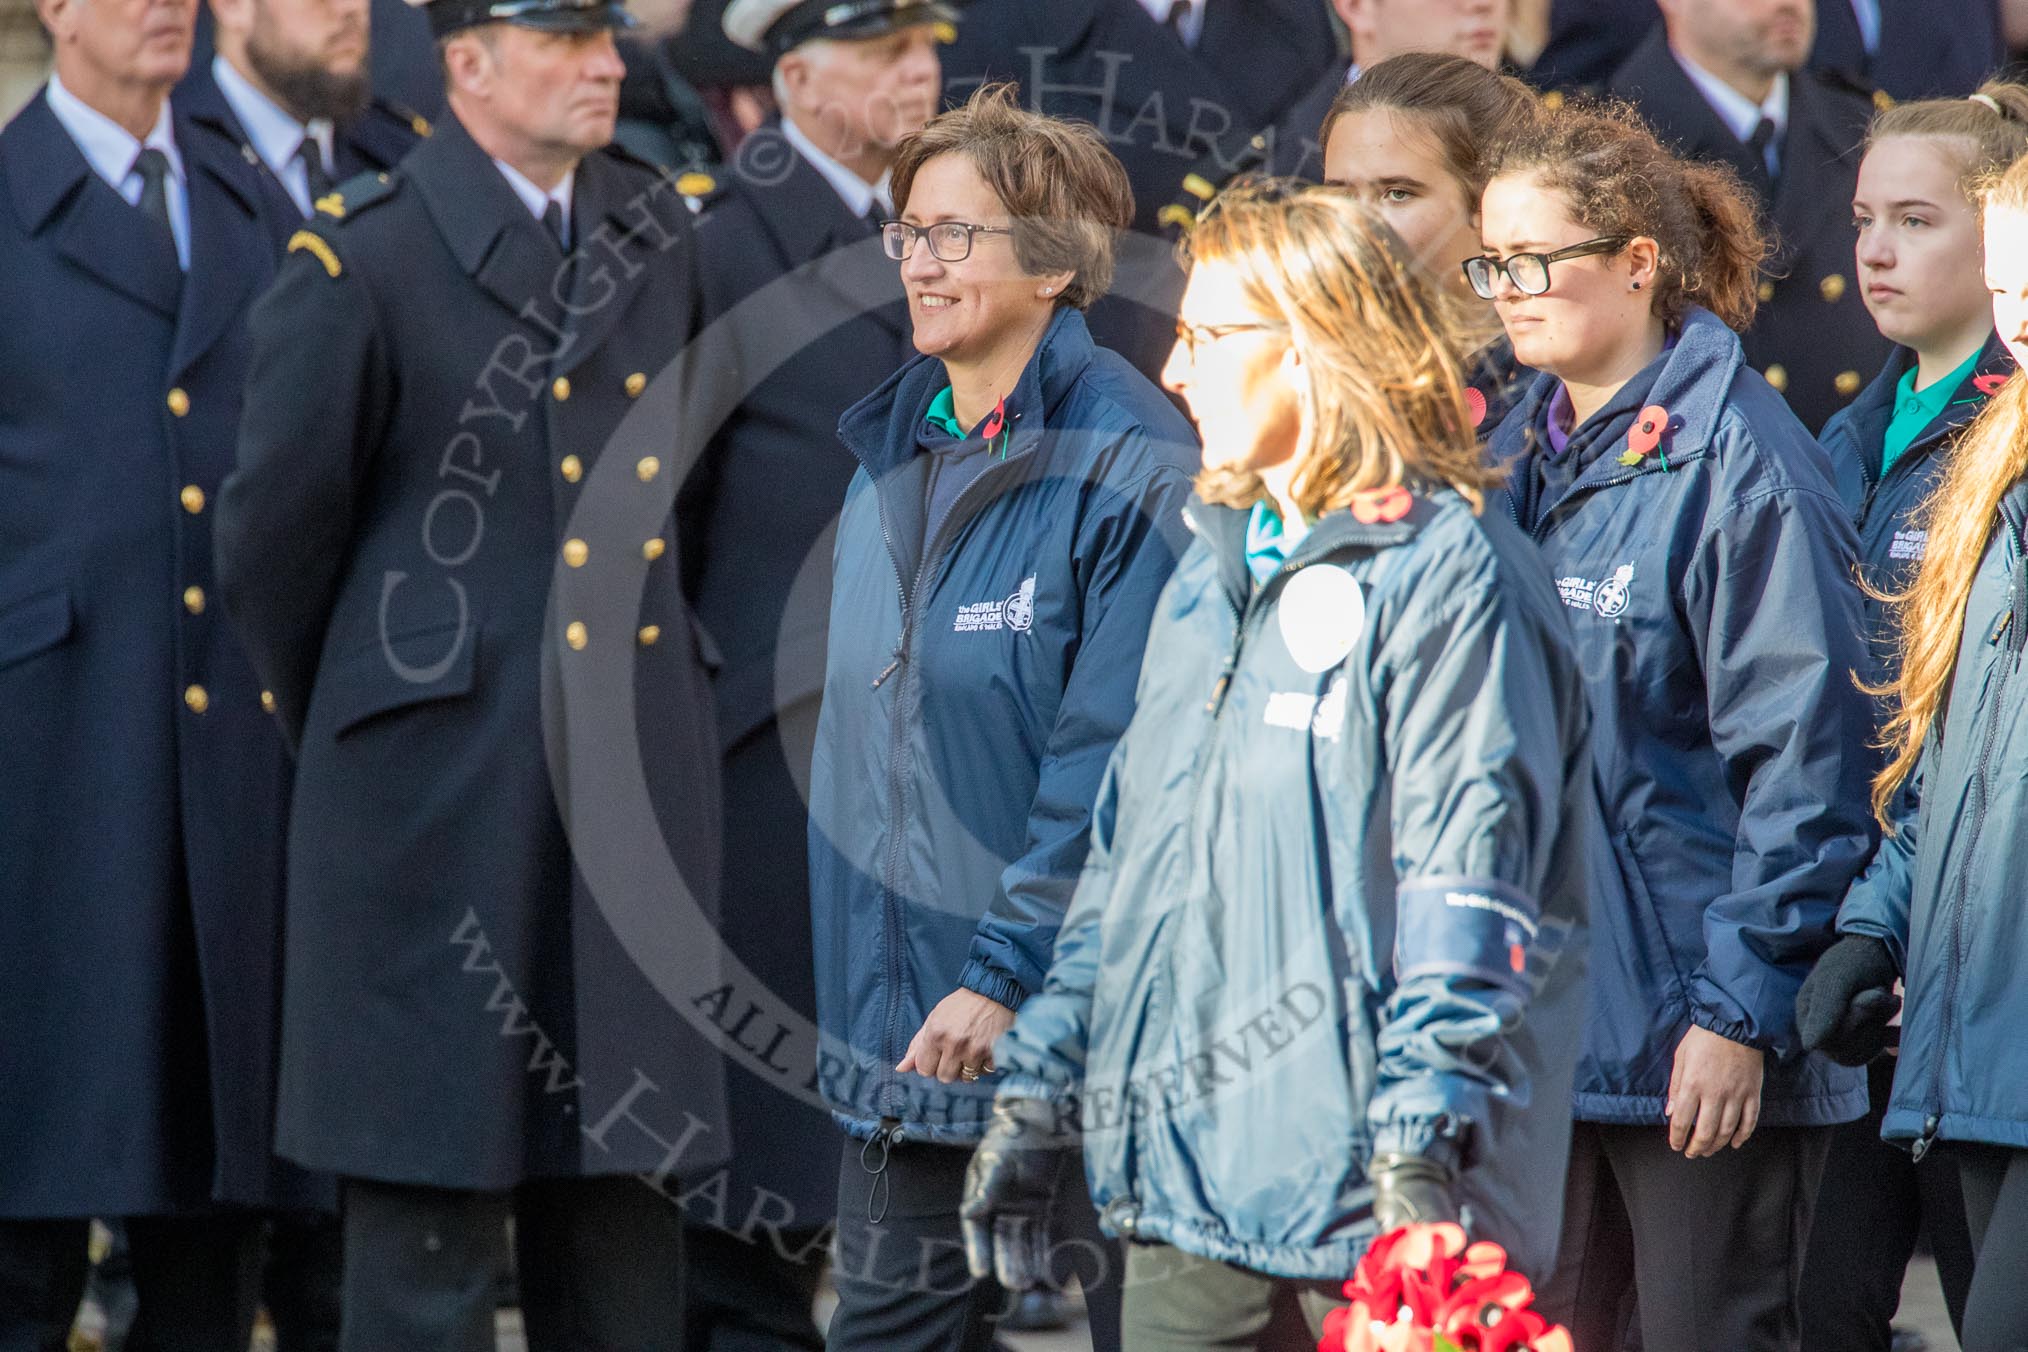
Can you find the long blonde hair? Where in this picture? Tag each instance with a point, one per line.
(1383, 389)
(1930, 616)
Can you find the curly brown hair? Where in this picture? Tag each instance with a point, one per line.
(1618, 179)
(1066, 195)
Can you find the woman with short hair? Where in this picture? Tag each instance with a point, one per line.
(1321, 977)
(998, 556)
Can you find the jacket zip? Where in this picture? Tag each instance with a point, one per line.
(897, 747)
(2013, 630)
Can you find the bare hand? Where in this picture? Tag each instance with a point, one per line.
(958, 1035)
(1714, 1093)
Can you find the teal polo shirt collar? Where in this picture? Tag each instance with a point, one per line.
(1269, 542)
(1916, 409)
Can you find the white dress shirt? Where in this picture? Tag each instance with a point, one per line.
(1190, 27)
(858, 195)
(534, 198)
(275, 134)
(1868, 14)
(111, 150)
(1738, 112)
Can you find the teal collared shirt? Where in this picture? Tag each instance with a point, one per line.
(1916, 409)
(943, 413)
(1269, 541)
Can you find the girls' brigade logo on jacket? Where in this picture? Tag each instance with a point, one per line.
(1015, 611)
(1608, 599)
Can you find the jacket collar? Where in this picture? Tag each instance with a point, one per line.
(881, 428)
(227, 227)
(1223, 530)
(1866, 420)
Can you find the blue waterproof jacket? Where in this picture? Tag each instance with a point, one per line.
(1944, 892)
(1711, 591)
(1883, 506)
(1335, 900)
(972, 693)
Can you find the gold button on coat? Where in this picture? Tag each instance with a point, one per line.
(193, 600)
(651, 550)
(1832, 288)
(635, 384)
(1777, 376)
(1848, 383)
(179, 402)
(197, 698)
(560, 387)
(576, 635)
(192, 498)
(575, 552)
(1766, 292)
(649, 634)
(572, 468)
(267, 701)
(648, 468)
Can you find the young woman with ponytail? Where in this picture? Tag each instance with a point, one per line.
(1945, 895)
(1706, 566)
(1409, 138)
(1921, 272)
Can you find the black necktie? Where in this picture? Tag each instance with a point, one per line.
(1761, 141)
(312, 156)
(153, 167)
(552, 220)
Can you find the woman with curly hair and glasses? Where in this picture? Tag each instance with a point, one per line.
(1706, 566)
(1321, 976)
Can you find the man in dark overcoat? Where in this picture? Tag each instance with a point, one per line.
(449, 545)
(794, 280)
(142, 808)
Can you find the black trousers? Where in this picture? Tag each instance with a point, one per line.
(1875, 1200)
(1706, 1254)
(1178, 1302)
(600, 1263)
(747, 1295)
(900, 1271)
(197, 1278)
(1996, 1209)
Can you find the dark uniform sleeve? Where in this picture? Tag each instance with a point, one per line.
(1479, 740)
(285, 517)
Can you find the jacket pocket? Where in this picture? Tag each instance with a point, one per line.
(1648, 913)
(434, 663)
(33, 625)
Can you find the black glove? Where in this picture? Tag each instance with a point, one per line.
(1845, 1003)
(1010, 1191)
(1410, 1188)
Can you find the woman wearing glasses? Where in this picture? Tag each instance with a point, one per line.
(1321, 977)
(1409, 137)
(1016, 513)
(1707, 568)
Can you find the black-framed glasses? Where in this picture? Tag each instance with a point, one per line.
(1530, 271)
(949, 241)
(1192, 336)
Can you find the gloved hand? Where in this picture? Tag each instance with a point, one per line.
(1845, 1003)
(1410, 1188)
(1010, 1190)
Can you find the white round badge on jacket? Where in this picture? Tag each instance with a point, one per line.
(1322, 613)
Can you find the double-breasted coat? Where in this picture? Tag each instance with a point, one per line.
(449, 546)
(814, 318)
(145, 784)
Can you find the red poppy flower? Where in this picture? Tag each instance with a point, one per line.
(1646, 433)
(995, 420)
(1382, 505)
(1422, 1288)
(1990, 383)
(1475, 404)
